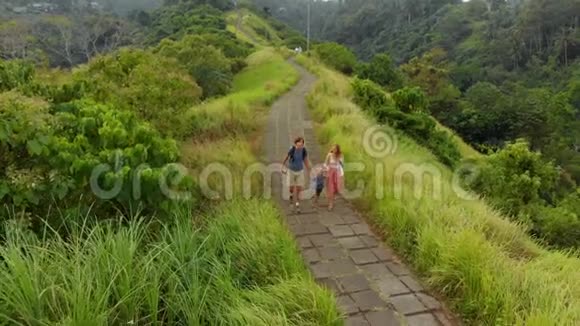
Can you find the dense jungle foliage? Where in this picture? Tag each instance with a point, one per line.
(123, 109)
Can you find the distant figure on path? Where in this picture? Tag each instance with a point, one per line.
(335, 172)
(297, 159)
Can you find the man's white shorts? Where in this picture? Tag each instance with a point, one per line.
(295, 178)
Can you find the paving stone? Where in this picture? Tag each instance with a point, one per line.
(330, 284)
(333, 268)
(391, 285)
(354, 283)
(291, 220)
(408, 304)
(397, 268)
(320, 270)
(307, 229)
(308, 219)
(356, 321)
(361, 228)
(369, 240)
(347, 304)
(341, 230)
(297, 229)
(311, 255)
(350, 217)
(429, 302)
(382, 318)
(342, 267)
(331, 253)
(330, 220)
(376, 271)
(363, 256)
(304, 242)
(422, 320)
(368, 300)
(341, 207)
(352, 243)
(412, 283)
(323, 240)
(383, 254)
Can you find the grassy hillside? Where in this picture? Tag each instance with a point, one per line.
(489, 268)
(254, 28)
(259, 28)
(164, 261)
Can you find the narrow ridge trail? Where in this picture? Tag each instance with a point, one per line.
(339, 247)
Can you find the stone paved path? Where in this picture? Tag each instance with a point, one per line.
(341, 250)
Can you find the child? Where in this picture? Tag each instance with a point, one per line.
(318, 182)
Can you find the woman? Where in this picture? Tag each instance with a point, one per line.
(333, 165)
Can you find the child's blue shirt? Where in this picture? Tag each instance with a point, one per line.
(319, 181)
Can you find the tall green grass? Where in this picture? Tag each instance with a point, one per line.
(491, 271)
(234, 266)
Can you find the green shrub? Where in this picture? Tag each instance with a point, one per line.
(176, 21)
(21, 76)
(295, 41)
(406, 115)
(78, 152)
(515, 177)
(423, 129)
(337, 56)
(555, 225)
(152, 86)
(382, 70)
(228, 43)
(442, 144)
(25, 134)
(410, 99)
(238, 65)
(263, 32)
(522, 185)
(369, 95)
(15, 73)
(206, 64)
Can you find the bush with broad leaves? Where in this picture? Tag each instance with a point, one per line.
(82, 153)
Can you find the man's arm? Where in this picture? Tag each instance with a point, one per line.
(285, 160)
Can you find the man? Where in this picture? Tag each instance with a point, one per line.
(297, 159)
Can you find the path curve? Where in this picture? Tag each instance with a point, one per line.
(339, 247)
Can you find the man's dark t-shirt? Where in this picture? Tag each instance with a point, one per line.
(297, 158)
